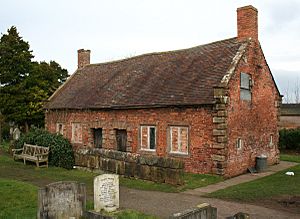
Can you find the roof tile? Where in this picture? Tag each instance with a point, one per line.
(182, 77)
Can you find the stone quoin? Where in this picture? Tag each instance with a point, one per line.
(215, 106)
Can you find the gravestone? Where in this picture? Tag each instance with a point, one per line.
(62, 200)
(202, 211)
(16, 134)
(106, 192)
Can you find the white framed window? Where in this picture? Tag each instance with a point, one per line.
(60, 128)
(179, 140)
(239, 143)
(148, 138)
(76, 133)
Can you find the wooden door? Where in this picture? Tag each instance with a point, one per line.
(98, 138)
(121, 136)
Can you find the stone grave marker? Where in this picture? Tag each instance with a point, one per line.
(16, 134)
(62, 200)
(106, 192)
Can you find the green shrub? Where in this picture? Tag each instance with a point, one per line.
(289, 139)
(61, 152)
(5, 131)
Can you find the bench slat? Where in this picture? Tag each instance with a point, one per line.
(35, 153)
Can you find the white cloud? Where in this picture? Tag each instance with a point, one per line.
(116, 29)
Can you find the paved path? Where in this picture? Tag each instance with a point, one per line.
(164, 204)
(241, 179)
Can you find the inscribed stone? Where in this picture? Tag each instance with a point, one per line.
(106, 192)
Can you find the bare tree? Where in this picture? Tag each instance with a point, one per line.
(297, 91)
(287, 94)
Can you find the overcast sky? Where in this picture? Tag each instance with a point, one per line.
(116, 29)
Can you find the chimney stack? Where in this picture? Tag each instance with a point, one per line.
(247, 25)
(83, 57)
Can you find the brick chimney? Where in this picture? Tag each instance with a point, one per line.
(83, 57)
(247, 23)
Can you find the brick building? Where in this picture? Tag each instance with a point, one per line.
(214, 106)
(290, 116)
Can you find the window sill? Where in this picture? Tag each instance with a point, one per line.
(147, 151)
(178, 154)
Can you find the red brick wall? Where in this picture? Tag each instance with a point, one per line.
(198, 120)
(247, 23)
(252, 121)
(83, 57)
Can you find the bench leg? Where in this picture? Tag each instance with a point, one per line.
(24, 161)
(37, 164)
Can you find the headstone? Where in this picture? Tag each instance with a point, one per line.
(202, 211)
(16, 133)
(106, 192)
(62, 200)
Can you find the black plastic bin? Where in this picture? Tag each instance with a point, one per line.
(261, 163)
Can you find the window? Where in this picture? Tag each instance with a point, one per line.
(148, 138)
(121, 138)
(97, 133)
(60, 128)
(179, 140)
(239, 143)
(271, 141)
(245, 91)
(76, 133)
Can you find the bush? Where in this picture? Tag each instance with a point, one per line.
(5, 131)
(289, 139)
(61, 152)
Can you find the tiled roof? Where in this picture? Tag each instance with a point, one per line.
(182, 77)
(290, 109)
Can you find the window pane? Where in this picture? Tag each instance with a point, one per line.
(184, 140)
(144, 137)
(76, 133)
(152, 138)
(60, 128)
(245, 81)
(245, 94)
(174, 143)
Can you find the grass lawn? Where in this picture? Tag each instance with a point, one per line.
(191, 181)
(14, 204)
(290, 157)
(18, 199)
(43, 176)
(19, 185)
(275, 185)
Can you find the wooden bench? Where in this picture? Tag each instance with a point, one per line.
(34, 153)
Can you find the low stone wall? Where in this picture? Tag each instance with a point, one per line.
(148, 167)
(202, 211)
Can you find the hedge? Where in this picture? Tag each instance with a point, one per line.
(289, 139)
(61, 152)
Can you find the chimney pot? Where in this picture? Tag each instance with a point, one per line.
(83, 57)
(247, 24)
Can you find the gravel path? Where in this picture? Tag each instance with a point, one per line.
(165, 204)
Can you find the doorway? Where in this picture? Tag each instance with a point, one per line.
(98, 137)
(121, 137)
